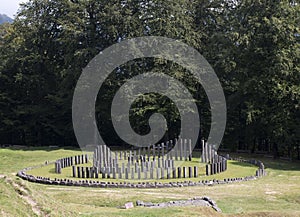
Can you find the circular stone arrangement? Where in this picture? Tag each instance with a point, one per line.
(155, 163)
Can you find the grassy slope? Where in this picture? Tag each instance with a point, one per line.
(278, 194)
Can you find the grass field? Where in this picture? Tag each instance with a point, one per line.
(277, 194)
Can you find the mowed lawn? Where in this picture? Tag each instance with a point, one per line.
(277, 194)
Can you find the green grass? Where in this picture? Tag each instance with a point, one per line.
(277, 194)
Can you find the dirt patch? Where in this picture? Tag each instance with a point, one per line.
(25, 195)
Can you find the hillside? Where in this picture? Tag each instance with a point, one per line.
(5, 19)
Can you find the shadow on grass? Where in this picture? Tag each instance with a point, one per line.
(41, 148)
(275, 164)
(237, 163)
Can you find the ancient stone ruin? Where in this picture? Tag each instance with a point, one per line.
(161, 161)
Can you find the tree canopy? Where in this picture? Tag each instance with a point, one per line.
(253, 46)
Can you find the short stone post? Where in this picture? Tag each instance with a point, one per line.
(74, 171)
(179, 172)
(196, 171)
(190, 172)
(78, 172)
(184, 172)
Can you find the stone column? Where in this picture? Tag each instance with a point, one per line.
(139, 173)
(114, 172)
(157, 173)
(179, 172)
(185, 150)
(196, 171)
(184, 172)
(153, 151)
(174, 173)
(74, 171)
(126, 173)
(78, 172)
(103, 173)
(151, 173)
(82, 172)
(207, 169)
(181, 149)
(86, 159)
(190, 172)
(206, 153)
(132, 173)
(168, 173)
(87, 172)
(190, 150)
(148, 152)
(162, 173)
(96, 172)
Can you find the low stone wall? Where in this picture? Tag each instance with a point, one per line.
(100, 184)
(197, 201)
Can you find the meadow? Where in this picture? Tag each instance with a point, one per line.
(277, 194)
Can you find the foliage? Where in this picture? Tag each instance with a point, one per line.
(252, 45)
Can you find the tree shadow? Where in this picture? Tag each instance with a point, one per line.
(275, 164)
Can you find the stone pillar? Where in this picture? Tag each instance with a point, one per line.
(126, 173)
(123, 168)
(157, 173)
(148, 152)
(96, 172)
(207, 170)
(185, 149)
(176, 149)
(139, 173)
(184, 172)
(190, 172)
(103, 172)
(74, 171)
(142, 167)
(153, 151)
(92, 172)
(206, 153)
(114, 172)
(162, 173)
(82, 172)
(132, 173)
(82, 159)
(190, 150)
(168, 173)
(78, 172)
(179, 172)
(196, 171)
(151, 173)
(181, 149)
(174, 173)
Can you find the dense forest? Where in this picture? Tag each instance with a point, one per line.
(253, 46)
